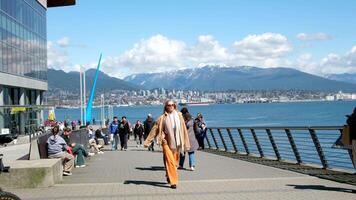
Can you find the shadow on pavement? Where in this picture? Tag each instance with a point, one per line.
(152, 168)
(152, 183)
(321, 187)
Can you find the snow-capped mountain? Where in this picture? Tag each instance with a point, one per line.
(212, 78)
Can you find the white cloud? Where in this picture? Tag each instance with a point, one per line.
(160, 53)
(313, 36)
(63, 42)
(334, 63)
(57, 59)
(207, 50)
(157, 53)
(264, 46)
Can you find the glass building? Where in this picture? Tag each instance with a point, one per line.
(23, 63)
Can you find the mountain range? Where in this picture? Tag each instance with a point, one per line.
(58, 79)
(346, 77)
(208, 78)
(213, 78)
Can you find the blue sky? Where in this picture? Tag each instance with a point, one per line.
(135, 36)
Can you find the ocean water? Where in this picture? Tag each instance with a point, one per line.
(269, 114)
(220, 115)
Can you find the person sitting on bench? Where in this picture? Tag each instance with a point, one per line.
(57, 148)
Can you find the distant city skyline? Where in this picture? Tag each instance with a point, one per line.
(316, 37)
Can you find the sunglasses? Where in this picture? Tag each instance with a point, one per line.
(170, 105)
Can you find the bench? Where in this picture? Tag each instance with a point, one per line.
(32, 173)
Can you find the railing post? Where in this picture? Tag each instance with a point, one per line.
(259, 148)
(214, 139)
(232, 140)
(207, 140)
(273, 143)
(294, 147)
(319, 149)
(222, 139)
(243, 141)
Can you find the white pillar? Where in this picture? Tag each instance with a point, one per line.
(81, 93)
(39, 103)
(85, 97)
(102, 111)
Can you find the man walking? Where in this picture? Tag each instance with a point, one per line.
(124, 130)
(114, 137)
(148, 124)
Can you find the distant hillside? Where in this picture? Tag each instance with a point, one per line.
(58, 79)
(349, 78)
(212, 78)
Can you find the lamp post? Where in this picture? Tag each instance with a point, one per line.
(102, 111)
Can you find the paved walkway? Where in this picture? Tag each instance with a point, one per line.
(139, 174)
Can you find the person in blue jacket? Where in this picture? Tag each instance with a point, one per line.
(114, 137)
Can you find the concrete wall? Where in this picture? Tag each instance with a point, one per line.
(19, 81)
(32, 173)
(43, 3)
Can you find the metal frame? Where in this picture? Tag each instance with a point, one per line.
(283, 142)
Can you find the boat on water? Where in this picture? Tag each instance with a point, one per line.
(194, 103)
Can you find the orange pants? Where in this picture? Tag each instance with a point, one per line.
(171, 160)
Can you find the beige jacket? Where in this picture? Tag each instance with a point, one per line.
(158, 131)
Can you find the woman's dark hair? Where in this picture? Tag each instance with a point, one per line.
(55, 130)
(97, 132)
(187, 116)
(184, 110)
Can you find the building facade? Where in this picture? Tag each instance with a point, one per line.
(23, 64)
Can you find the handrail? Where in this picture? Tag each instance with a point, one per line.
(301, 144)
(280, 127)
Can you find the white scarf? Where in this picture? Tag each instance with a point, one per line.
(175, 122)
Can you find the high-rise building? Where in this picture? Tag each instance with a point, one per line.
(23, 63)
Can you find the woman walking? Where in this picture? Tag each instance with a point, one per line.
(172, 134)
(138, 132)
(194, 145)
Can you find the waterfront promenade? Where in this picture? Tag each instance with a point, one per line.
(139, 174)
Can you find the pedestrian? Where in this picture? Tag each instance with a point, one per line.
(138, 132)
(199, 120)
(114, 137)
(73, 125)
(351, 122)
(124, 131)
(57, 148)
(193, 143)
(148, 124)
(172, 134)
(201, 136)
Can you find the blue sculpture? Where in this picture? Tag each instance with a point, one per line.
(90, 103)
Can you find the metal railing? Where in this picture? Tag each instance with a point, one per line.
(299, 144)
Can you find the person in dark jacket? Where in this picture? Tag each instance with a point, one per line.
(124, 130)
(201, 135)
(138, 132)
(66, 135)
(148, 124)
(200, 132)
(351, 122)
